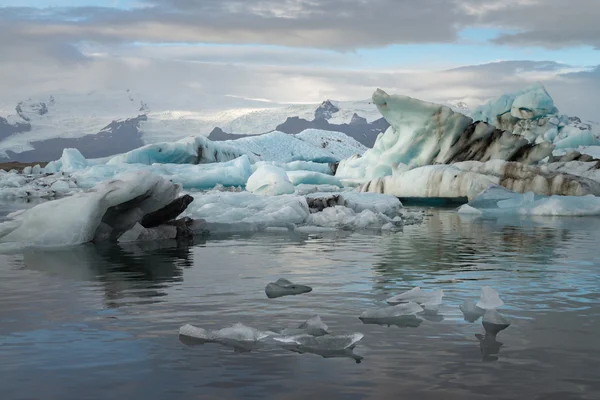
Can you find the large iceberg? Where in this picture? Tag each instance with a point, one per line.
(114, 205)
(422, 133)
(532, 114)
(498, 201)
(469, 179)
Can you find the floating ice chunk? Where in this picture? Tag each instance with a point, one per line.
(283, 287)
(345, 218)
(139, 234)
(324, 168)
(313, 326)
(510, 203)
(312, 178)
(418, 296)
(489, 299)
(237, 332)
(329, 342)
(471, 312)
(409, 308)
(75, 219)
(402, 315)
(190, 150)
(532, 103)
(242, 208)
(494, 322)
(269, 180)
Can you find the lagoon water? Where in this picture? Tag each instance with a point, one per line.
(93, 322)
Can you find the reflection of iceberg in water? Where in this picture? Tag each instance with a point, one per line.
(133, 272)
(489, 346)
(447, 242)
(345, 353)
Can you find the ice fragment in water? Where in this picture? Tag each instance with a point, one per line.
(471, 312)
(402, 315)
(494, 322)
(489, 299)
(409, 308)
(431, 299)
(283, 287)
(329, 342)
(238, 332)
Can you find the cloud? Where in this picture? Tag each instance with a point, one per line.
(329, 24)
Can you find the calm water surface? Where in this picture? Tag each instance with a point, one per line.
(102, 322)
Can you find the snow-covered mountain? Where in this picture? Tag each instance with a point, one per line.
(100, 124)
(103, 124)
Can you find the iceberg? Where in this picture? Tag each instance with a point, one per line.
(469, 179)
(531, 113)
(356, 201)
(18, 186)
(283, 287)
(190, 150)
(422, 133)
(498, 201)
(312, 178)
(269, 180)
(111, 208)
(245, 211)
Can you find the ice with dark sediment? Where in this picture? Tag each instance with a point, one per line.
(283, 287)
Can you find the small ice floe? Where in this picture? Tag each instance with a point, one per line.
(489, 299)
(329, 342)
(313, 326)
(430, 301)
(401, 315)
(325, 346)
(283, 287)
(239, 336)
(471, 312)
(494, 322)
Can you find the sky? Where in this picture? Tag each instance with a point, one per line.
(227, 52)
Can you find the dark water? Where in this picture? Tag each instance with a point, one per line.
(102, 323)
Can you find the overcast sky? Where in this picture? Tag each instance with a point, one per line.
(303, 50)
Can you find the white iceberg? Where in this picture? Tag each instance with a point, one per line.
(489, 299)
(76, 219)
(497, 201)
(269, 180)
(532, 114)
